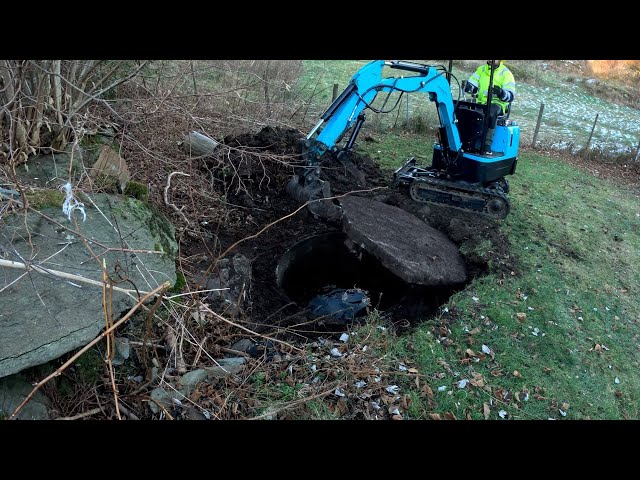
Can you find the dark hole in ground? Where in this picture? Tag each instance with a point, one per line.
(318, 264)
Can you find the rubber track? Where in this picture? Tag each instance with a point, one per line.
(453, 188)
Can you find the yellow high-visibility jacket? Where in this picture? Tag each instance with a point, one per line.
(502, 77)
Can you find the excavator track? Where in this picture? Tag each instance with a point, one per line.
(492, 202)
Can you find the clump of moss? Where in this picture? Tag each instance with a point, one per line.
(40, 199)
(138, 191)
(89, 367)
(181, 282)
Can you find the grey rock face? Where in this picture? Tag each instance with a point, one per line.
(43, 316)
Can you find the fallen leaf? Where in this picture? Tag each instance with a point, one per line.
(470, 352)
(475, 331)
(426, 389)
(450, 416)
(397, 417)
(521, 317)
(497, 372)
(393, 389)
(565, 406)
(477, 380)
(413, 370)
(486, 411)
(547, 370)
(507, 397)
(516, 373)
(435, 416)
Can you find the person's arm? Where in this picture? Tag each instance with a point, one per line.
(507, 92)
(473, 82)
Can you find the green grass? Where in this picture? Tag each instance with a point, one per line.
(576, 239)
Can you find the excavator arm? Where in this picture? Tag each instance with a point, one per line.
(363, 89)
(347, 112)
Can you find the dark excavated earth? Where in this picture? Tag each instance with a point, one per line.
(416, 243)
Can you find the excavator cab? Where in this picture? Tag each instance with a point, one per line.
(471, 120)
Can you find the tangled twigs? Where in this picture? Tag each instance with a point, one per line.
(166, 196)
(220, 317)
(59, 371)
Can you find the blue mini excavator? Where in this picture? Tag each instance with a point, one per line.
(460, 175)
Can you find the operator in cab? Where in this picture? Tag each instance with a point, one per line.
(503, 90)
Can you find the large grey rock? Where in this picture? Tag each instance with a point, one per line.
(404, 244)
(13, 390)
(43, 316)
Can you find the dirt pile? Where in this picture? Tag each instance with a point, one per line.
(252, 172)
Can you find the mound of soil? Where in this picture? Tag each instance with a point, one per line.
(252, 173)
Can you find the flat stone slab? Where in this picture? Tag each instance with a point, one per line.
(404, 244)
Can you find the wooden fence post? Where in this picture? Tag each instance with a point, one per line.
(592, 129)
(535, 133)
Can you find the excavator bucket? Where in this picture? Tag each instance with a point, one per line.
(307, 187)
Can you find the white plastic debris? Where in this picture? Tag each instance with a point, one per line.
(442, 388)
(335, 352)
(486, 349)
(344, 337)
(393, 389)
(563, 413)
(71, 203)
(530, 309)
(364, 349)
(616, 380)
(339, 392)
(377, 379)
(475, 299)
(463, 383)
(402, 367)
(360, 383)
(375, 405)
(502, 413)
(395, 411)
(535, 331)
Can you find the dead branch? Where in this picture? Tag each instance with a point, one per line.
(166, 196)
(68, 276)
(82, 415)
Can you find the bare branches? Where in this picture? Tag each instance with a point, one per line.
(166, 196)
(157, 291)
